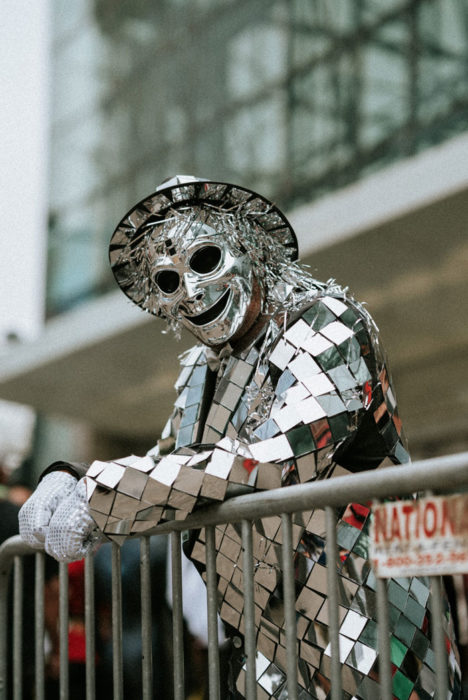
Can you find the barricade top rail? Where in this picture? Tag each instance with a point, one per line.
(11, 548)
(445, 474)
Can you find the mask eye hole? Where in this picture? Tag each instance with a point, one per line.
(206, 259)
(167, 281)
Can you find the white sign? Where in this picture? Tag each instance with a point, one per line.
(422, 537)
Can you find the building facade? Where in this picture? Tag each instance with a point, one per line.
(351, 115)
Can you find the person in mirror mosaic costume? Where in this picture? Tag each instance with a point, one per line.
(287, 385)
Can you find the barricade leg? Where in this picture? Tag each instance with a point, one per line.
(18, 629)
(39, 626)
(212, 610)
(117, 665)
(146, 620)
(289, 606)
(333, 618)
(4, 581)
(383, 631)
(63, 625)
(249, 611)
(90, 628)
(438, 637)
(177, 617)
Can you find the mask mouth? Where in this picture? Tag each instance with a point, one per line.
(212, 313)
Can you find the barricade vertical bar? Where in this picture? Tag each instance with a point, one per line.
(212, 608)
(4, 581)
(289, 605)
(39, 626)
(18, 629)
(383, 632)
(146, 619)
(438, 637)
(117, 666)
(63, 628)
(90, 628)
(333, 618)
(249, 610)
(177, 617)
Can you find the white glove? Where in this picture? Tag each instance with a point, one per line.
(56, 518)
(34, 517)
(72, 531)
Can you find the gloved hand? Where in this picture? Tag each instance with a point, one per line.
(72, 531)
(57, 518)
(34, 517)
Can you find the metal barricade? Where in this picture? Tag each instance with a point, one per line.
(444, 474)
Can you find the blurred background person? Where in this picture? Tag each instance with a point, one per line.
(131, 619)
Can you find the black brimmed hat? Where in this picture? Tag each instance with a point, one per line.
(183, 192)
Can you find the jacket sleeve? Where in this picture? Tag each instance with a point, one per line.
(325, 381)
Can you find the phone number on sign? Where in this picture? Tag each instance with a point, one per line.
(428, 559)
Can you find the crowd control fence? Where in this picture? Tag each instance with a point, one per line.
(441, 475)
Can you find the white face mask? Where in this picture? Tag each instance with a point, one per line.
(204, 282)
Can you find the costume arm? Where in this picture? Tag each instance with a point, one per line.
(57, 516)
(129, 497)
